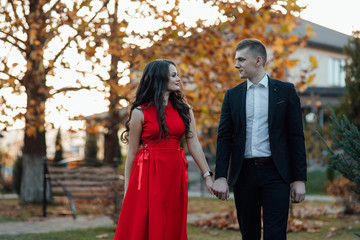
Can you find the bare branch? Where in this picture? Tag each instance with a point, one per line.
(58, 55)
(15, 38)
(52, 8)
(77, 34)
(17, 46)
(74, 89)
(15, 13)
(11, 76)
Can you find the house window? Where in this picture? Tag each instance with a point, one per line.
(336, 72)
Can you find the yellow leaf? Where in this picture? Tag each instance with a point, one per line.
(279, 41)
(313, 61)
(205, 109)
(293, 38)
(311, 79)
(277, 48)
(292, 63)
(302, 88)
(184, 67)
(41, 129)
(191, 95)
(309, 31)
(292, 48)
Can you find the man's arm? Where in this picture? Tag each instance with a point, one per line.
(297, 146)
(224, 142)
(224, 139)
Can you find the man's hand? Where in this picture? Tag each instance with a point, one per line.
(298, 191)
(221, 189)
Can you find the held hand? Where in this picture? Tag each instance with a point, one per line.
(209, 183)
(298, 192)
(221, 189)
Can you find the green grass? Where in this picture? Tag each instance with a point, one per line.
(194, 233)
(87, 234)
(315, 184)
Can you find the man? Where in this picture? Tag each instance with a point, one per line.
(260, 147)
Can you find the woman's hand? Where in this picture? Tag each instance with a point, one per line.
(209, 183)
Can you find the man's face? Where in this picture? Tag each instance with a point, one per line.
(245, 63)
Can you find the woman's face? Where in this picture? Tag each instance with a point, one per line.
(174, 80)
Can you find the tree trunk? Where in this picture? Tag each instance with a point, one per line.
(32, 179)
(34, 82)
(111, 146)
(34, 152)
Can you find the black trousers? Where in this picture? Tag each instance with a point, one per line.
(260, 185)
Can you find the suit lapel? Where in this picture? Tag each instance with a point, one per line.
(273, 91)
(241, 106)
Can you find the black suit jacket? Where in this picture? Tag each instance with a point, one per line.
(285, 132)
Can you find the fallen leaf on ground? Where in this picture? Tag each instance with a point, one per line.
(105, 235)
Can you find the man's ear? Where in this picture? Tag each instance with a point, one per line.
(258, 61)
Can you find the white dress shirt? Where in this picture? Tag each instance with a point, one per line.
(257, 128)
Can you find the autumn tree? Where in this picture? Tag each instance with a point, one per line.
(119, 53)
(118, 47)
(37, 33)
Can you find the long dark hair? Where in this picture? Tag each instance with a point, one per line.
(151, 91)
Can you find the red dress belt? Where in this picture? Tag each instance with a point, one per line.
(144, 155)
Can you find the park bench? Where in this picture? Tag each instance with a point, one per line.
(86, 183)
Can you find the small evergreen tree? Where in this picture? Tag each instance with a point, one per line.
(344, 155)
(58, 148)
(91, 150)
(17, 173)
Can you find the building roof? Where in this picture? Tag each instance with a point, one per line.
(325, 38)
(324, 91)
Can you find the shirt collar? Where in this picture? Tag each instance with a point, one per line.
(264, 81)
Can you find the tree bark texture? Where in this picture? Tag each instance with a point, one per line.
(111, 145)
(34, 82)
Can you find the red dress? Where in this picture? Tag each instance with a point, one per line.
(155, 204)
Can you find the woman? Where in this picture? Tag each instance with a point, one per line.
(155, 204)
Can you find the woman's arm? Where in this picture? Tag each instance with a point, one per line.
(135, 125)
(197, 153)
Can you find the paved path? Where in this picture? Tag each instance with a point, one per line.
(54, 225)
(67, 223)
(322, 198)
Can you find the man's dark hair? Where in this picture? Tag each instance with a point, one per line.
(256, 48)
